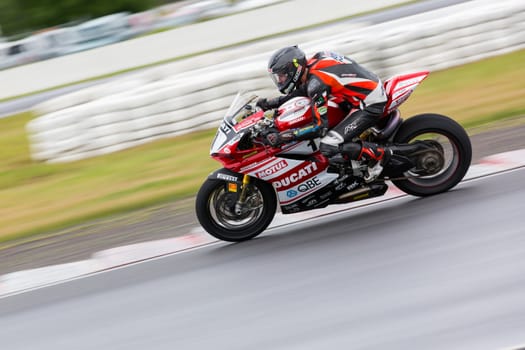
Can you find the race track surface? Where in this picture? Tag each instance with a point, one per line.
(178, 218)
(445, 272)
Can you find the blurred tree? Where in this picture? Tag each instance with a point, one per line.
(22, 16)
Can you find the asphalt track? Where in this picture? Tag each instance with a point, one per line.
(445, 272)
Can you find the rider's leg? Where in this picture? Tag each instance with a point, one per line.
(347, 133)
(340, 140)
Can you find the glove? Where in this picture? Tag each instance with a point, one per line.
(275, 138)
(263, 104)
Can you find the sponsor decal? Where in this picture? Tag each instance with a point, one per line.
(294, 110)
(336, 56)
(340, 186)
(408, 82)
(227, 177)
(399, 101)
(225, 128)
(306, 189)
(295, 117)
(291, 193)
(309, 184)
(342, 178)
(311, 202)
(272, 169)
(352, 186)
(323, 110)
(302, 102)
(350, 128)
(292, 209)
(245, 124)
(308, 170)
(292, 206)
(325, 195)
(298, 73)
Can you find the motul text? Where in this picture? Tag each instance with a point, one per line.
(272, 169)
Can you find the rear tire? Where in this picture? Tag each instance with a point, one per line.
(215, 210)
(453, 141)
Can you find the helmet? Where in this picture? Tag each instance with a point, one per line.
(286, 66)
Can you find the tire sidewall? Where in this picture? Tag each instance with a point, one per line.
(423, 123)
(248, 232)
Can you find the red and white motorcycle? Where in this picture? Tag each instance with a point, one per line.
(432, 153)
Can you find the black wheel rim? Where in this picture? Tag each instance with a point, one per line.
(222, 212)
(446, 155)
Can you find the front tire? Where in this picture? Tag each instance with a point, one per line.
(450, 138)
(215, 208)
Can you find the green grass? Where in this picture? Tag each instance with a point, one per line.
(38, 197)
(476, 93)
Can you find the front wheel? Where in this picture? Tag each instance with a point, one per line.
(448, 162)
(219, 214)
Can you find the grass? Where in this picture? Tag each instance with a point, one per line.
(38, 197)
(474, 94)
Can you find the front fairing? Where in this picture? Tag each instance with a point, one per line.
(237, 121)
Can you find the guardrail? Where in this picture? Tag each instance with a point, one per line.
(160, 103)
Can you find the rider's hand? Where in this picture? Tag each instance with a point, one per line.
(275, 138)
(263, 104)
(287, 136)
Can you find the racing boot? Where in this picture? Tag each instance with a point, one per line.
(333, 153)
(371, 153)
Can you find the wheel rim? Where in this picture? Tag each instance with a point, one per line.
(221, 206)
(442, 162)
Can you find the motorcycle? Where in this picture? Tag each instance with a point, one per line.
(431, 155)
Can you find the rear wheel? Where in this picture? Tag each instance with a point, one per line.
(446, 161)
(219, 214)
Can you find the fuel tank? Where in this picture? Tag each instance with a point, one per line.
(297, 113)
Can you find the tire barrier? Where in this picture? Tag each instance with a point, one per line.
(171, 100)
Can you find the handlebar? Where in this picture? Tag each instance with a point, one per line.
(266, 122)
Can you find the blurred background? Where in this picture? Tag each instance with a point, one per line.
(37, 30)
(107, 113)
(109, 107)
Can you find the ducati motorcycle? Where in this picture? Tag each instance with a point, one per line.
(431, 154)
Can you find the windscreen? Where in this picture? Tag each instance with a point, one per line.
(235, 112)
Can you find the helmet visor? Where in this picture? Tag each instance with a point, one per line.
(281, 79)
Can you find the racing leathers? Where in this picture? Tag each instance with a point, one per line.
(335, 77)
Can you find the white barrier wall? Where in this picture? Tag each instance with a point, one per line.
(163, 102)
(180, 42)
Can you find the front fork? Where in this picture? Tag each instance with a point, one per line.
(239, 206)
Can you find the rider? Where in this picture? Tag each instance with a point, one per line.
(328, 75)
